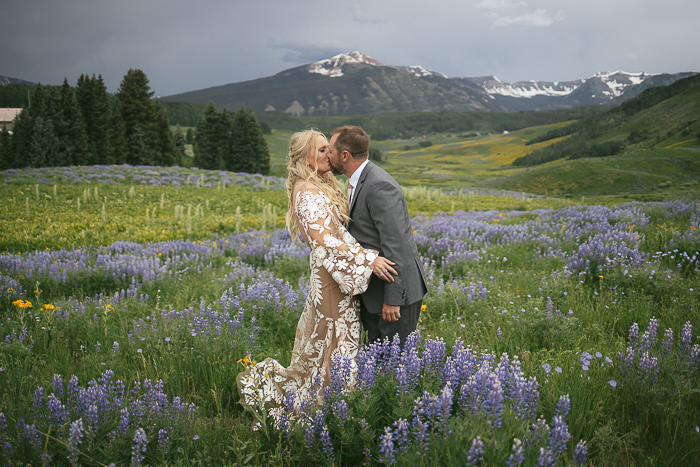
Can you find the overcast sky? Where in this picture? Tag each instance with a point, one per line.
(187, 45)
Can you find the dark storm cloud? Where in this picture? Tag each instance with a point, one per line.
(184, 45)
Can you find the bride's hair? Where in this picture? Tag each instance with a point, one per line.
(301, 145)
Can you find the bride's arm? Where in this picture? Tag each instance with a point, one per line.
(349, 264)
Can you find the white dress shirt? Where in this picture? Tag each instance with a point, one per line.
(355, 179)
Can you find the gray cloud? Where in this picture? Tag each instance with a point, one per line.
(184, 45)
(539, 18)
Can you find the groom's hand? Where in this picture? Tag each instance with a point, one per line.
(390, 313)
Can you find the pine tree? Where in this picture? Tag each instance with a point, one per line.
(140, 152)
(223, 128)
(21, 138)
(93, 100)
(167, 152)
(249, 148)
(70, 129)
(243, 152)
(44, 146)
(6, 154)
(179, 139)
(208, 142)
(190, 136)
(262, 152)
(118, 144)
(137, 111)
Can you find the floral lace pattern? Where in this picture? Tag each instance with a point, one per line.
(329, 324)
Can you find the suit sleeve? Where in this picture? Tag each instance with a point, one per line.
(386, 207)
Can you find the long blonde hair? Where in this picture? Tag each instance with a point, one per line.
(300, 146)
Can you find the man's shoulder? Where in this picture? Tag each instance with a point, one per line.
(376, 173)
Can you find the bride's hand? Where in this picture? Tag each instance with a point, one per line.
(383, 270)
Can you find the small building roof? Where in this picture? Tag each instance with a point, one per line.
(7, 115)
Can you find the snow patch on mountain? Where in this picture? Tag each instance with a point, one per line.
(420, 72)
(616, 82)
(333, 67)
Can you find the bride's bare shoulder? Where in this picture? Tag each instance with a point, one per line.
(305, 185)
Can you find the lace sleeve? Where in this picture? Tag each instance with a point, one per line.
(346, 261)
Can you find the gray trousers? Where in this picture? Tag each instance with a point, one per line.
(378, 329)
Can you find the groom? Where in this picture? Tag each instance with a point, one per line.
(380, 221)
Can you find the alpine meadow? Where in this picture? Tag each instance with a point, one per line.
(144, 263)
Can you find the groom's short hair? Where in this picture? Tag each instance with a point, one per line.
(352, 139)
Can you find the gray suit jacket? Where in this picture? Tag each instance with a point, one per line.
(380, 221)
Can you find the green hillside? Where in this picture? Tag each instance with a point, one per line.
(667, 116)
(647, 174)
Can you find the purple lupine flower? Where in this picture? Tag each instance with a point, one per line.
(138, 449)
(686, 338)
(341, 371)
(694, 357)
(476, 451)
(580, 453)
(537, 431)
(58, 412)
(626, 360)
(419, 428)
(123, 425)
(546, 458)
(6, 446)
(549, 308)
(648, 366)
(57, 385)
(37, 401)
(287, 411)
(558, 437)
(634, 333)
(563, 407)
(74, 439)
(517, 455)
(341, 410)
(401, 434)
(667, 342)
(499, 334)
(163, 441)
(386, 447)
(115, 347)
(327, 444)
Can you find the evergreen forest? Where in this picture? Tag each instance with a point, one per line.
(85, 125)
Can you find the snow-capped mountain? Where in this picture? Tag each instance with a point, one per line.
(333, 67)
(354, 83)
(616, 83)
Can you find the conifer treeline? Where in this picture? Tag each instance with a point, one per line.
(235, 144)
(81, 126)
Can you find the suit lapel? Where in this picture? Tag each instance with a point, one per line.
(363, 176)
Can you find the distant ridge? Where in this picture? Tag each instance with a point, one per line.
(356, 84)
(7, 80)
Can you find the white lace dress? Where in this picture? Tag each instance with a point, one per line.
(329, 324)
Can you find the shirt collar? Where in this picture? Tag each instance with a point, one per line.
(355, 179)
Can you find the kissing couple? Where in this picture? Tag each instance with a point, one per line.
(364, 264)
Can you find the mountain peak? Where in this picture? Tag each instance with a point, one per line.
(333, 67)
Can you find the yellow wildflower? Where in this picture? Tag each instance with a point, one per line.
(423, 307)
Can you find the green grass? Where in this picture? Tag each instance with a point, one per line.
(635, 423)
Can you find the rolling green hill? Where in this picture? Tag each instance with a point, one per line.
(666, 116)
(647, 174)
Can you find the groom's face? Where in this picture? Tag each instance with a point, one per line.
(335, 158)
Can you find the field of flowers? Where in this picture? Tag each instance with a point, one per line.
(131, 297)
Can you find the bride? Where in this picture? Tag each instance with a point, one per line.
(329, 325)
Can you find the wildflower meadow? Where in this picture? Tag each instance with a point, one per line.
(556, 332)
